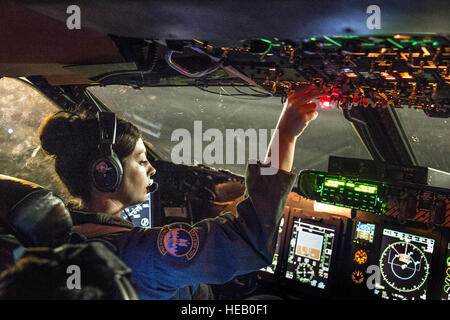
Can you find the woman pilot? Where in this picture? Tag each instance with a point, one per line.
(170, 262)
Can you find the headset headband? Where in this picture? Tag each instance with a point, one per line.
(107, 126)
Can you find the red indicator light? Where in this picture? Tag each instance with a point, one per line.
(365, 102)
(325, 102)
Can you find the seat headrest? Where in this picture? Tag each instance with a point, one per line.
(33, 214)
(43, 273)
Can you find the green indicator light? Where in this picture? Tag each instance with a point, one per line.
(395, 43)
(346, 37)
(368, 44)
(349, 193)
(332, 41)
(313, 39)
(333, 183)
(366, 189)
(414, 43)
(265, 40)
(435, 43)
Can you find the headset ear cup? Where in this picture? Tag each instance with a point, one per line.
(106, 173)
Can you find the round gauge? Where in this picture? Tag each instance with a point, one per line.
(360, 257)
(357, 276)
(404, 266)
(304, 272)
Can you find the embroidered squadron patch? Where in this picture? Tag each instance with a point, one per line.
(178, 242)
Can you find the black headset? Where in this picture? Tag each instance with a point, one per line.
(106, 170)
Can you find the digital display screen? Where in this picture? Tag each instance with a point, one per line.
(357, 187)
(273, 267)
(364, 232)
(310, 252)
(351, 194)
(140, 214)
(354, 193)
(446, 285)
(404, 265)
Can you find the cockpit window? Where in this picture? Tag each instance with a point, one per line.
(428, 137)
(22, 110)
(166, 114)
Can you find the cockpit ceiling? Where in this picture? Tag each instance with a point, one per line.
(236, 19)
(36, 44)
(36, 41)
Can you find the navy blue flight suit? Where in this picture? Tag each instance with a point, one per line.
(170, 262)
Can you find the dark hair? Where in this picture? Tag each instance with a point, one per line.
(72, 139)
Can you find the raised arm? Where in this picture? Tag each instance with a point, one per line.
(298, 111)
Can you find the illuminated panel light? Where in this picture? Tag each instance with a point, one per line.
(334, 183)
(366, 189)
(405, 75)
(395, 43)
(401, 36)
(332, 41)
(323, 207)
(343, 192)
(325, 102)
(387, 76)
(425, 52)
(351, 75)
(346, 37)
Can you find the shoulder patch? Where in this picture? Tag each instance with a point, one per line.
(178, 242)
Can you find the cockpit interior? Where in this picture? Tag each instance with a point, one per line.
(369, 215)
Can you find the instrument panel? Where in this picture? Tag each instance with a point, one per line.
(319, 255)
(401, 70)
(310, 252)
(358, 254)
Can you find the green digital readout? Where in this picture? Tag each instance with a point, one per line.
(365, 188)
(342, 191)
